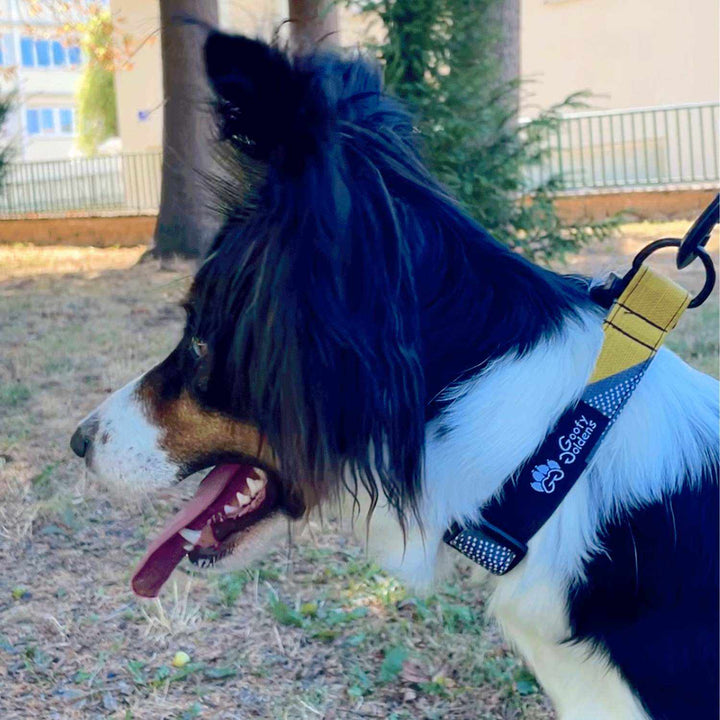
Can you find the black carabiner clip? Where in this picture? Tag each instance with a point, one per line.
(698, 235)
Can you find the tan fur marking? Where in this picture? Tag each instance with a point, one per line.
(189, 432)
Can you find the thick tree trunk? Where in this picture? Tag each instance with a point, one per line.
(312, 23)
(505, 16)
(186, 224)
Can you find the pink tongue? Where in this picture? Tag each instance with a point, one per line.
(166, 551)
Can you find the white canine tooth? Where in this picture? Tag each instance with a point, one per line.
(230, 510)
(192, 536)
(187, 547)
(242, 498)
(255, 486)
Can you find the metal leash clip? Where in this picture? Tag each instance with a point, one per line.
(690, 248)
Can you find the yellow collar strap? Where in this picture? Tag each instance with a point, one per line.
(638, 322)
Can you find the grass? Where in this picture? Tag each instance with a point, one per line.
(316, 631)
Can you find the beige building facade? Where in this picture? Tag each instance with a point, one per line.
(627, 53)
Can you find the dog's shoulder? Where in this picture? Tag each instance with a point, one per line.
(648, 598)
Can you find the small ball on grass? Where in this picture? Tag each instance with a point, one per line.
(181, 659)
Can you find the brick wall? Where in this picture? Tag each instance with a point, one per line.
(654, 205)
(95, 231)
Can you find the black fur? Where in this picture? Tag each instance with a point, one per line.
(656, 620)
(355, 290)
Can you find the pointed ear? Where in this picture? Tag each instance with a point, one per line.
(256, 88)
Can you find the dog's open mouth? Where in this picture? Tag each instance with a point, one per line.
(229, 500)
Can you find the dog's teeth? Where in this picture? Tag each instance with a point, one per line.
(192, 536)
(187, 547)
(242, 498)
(255, 486)
(230, 510)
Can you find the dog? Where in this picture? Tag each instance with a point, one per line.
(353, 335)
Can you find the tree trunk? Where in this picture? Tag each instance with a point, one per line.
(185, 224)
(312, 23)
(505, 16)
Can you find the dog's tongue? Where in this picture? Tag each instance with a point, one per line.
(166, 551)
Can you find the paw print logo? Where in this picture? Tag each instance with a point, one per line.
(545, 476)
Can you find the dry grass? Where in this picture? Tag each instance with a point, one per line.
(315, 632)
(18, 261)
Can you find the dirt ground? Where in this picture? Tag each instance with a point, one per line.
(316, 631)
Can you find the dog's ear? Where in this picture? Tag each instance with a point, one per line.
(259, 93)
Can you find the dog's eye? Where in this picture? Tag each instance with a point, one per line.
(198, 347)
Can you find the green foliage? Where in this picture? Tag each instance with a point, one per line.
(525, 682)
(6, 151)
(284, 614)
(440, 56)
(230, 587)
(392, 663)
(14, 394)
(97, 112)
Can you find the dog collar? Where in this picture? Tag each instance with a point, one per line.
(640, 318)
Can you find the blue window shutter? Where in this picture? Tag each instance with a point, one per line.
(58, 53)
(42, 48)
(33, 122)
(66, 121)
(47, 120)
(27, 52)
(74, 55)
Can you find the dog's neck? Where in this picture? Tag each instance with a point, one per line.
(481, 302)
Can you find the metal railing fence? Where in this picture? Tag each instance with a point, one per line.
(670, 146)
(673, 145)
(123, 184)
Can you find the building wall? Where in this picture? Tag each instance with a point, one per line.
(255, 18)
(628, 53)
(139, 88)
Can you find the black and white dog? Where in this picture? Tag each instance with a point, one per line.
(353, 333)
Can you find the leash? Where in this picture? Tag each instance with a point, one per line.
(644, 307)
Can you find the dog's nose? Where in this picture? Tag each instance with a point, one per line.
(82, 438)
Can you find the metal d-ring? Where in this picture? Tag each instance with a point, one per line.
(697, 252)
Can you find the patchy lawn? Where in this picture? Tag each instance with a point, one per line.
(314, 632)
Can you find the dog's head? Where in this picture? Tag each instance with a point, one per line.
(301, 354)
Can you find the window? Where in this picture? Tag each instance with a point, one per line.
(46, 53)
(50, 121)
(27, 52)
(47, 121)
(66, 121)
(58, 53)
(42, 51)
(33, 122)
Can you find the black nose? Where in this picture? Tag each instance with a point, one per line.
(82, 438)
